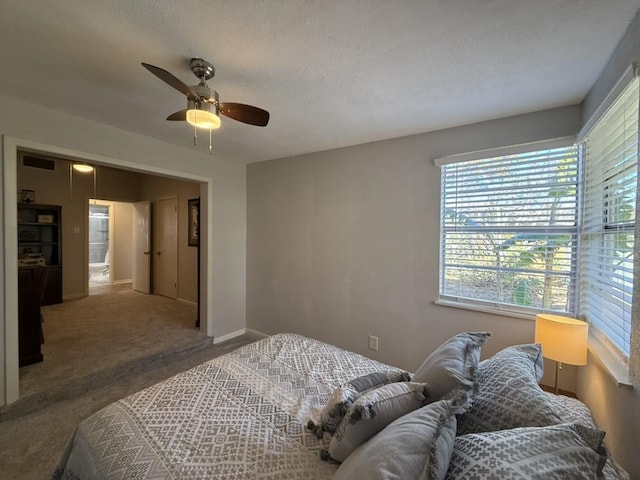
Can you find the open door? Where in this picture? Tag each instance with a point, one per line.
(141, 272)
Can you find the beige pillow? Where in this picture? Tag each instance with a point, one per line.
(372, 412)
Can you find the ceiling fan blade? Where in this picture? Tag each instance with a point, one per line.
(245, 113)
(171, 80)
(179, 115)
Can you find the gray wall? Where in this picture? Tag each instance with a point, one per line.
(345, 243)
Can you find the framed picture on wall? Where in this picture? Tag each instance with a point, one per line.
(194, 222)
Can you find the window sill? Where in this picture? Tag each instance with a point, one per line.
(496, 309)
(609, 362)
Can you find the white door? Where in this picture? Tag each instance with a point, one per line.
(141, 268)
(166, 264)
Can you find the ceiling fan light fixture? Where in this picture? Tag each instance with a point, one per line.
(200, 115)
(82, 168)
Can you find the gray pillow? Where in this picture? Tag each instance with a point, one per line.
(416, 445)
(342, 398)
(537, 453)
(452, 366)
(509, 395)
(373, 411)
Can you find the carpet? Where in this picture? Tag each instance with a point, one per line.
(96, 352)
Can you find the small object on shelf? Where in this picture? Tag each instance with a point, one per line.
(27, 196)
(45, 218)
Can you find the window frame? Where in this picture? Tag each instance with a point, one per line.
(609, 353)
(490, 306)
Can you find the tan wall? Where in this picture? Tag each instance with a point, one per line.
(155, 188)
(73, 194)
(55, 187)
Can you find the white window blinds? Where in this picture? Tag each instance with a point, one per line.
(610, 152)
(509, 229)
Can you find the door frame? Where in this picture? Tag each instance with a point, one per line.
(9, 376)
(111, 205)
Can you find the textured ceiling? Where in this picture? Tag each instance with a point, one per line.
(331, 72)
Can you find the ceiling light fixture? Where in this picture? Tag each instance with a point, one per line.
(82, 168)
(200, 115)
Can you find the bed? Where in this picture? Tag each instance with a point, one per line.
(248, 415)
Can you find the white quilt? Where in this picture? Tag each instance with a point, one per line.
(238, 416)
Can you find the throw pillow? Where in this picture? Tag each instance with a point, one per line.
(452, 366)
(342, 398)
(537, 453)
(508, 393)
(373, 411)
(417, 445)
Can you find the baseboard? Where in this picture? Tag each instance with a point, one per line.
(229, 336)
(121, 282)
(73, 296)
(256, 332)
(182, 300)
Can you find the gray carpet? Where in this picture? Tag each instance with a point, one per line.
(97, 350)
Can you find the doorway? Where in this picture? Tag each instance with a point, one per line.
(77, 234)
(100, 243)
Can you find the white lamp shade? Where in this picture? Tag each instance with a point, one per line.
(563, 339)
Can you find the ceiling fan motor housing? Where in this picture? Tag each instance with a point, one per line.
(205, 94)
(202, 69)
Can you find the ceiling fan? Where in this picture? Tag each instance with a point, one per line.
(203, 106)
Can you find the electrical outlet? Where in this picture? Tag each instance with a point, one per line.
(373, 343)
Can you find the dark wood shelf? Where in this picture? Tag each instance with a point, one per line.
(38, 224)
(41, 283)
(45, 239)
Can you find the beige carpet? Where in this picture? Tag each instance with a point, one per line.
(98, 349)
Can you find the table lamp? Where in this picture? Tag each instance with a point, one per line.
(563, 339)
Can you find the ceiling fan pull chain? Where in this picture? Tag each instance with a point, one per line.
(195, 134)
(210, 150)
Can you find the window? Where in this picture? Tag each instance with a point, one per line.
(610, 157)
(509, 229)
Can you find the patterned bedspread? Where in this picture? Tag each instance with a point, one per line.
(238, 416)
